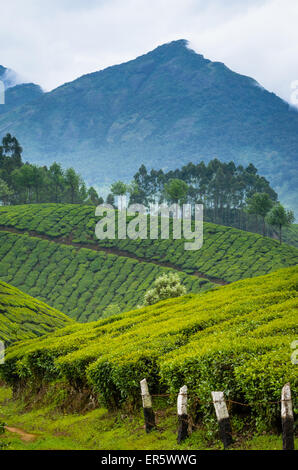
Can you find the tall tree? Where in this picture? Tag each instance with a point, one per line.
(56, 177)
(260, 204)
(72, 183)
(176, 191)
(5, 192)
(280, 217)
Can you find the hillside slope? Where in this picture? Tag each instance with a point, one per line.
(82, 283)
(227, 254)
(23, 317)
(236, 338)
(16, 92)
(170, 105)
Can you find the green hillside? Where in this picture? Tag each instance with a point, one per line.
(82, 283)
(235, 338)
(227, 254)
(290, 235)
(23, 317)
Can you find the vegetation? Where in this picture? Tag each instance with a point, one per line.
(227, 254)
(164, 287)
(279, 217)
(26, 183)
(80, 282)
(223, 188)
(23, 317)
(54, 428)
(235, 338)
(152, 110)
(290, 235)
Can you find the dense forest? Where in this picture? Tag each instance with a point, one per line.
(25, 183)
(232, 195)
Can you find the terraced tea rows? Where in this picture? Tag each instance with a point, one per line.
(235, 338)
(82, 283)
(227, 254)
(23, 317)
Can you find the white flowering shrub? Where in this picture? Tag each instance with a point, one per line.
(165, 287)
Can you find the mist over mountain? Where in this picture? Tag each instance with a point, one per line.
(163, 109)
(17, 92)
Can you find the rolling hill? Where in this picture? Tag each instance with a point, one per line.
(170, 105)
(22, 317)
(235, 338)
(83, 283)
(227, 254)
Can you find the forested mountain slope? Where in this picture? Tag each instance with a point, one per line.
(170, 105)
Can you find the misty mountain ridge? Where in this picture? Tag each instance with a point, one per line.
(164, 109)
(17, 92)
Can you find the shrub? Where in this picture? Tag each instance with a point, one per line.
(165, 287)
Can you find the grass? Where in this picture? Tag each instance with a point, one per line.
(23, 317)
(101, 429)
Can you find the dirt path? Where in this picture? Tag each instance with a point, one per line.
(114, 251)
(24, 436)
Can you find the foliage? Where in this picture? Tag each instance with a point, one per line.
(176, 191)
(28, 183)
(235, 338)
(280, 217)
(23, 317)
(164, 287)
(227, 254)
(57, 429)
(259, 204)
(171, 106)
(82, 283)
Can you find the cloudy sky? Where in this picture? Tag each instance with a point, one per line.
(52, 42)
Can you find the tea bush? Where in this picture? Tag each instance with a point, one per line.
(80, 282)
(227, 254)
(23, 317)
(234, 338)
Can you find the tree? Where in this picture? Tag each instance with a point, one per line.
(280, 217)
(5, 192)
(119, 188)
(259, 204)
(56, 181)
(23, 179)
(38, 178)
(72, 182)
(164, 287)
(110, 199)
(93, 197)
(176, 190)
(10, 157)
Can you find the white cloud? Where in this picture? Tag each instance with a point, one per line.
(54, 42)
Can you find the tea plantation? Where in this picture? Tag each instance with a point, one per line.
(227, 254)
(23, 317)
(82, 283)
(234, 338)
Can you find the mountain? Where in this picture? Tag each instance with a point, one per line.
(16, 92)
(22, 317)
(163, 109)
